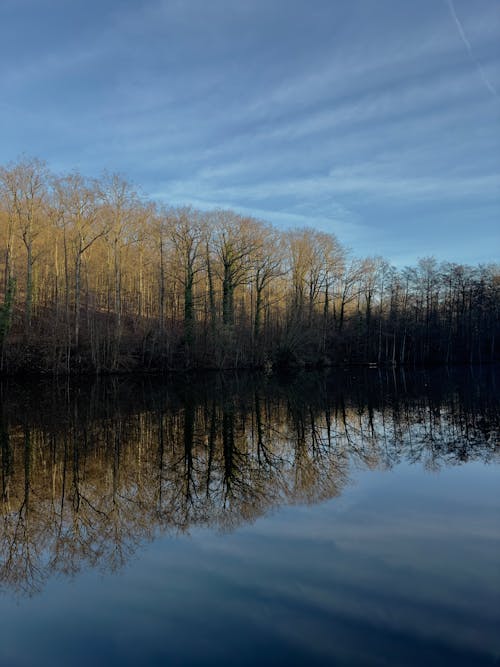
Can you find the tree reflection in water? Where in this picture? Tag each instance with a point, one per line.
(88, 473)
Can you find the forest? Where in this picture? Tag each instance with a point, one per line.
(96, 278)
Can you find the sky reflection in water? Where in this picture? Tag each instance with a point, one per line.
(313, 521)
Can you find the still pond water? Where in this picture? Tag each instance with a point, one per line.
(307, 520)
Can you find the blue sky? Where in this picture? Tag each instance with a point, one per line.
(378, 120)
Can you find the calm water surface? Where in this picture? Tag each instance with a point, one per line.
(307, 520)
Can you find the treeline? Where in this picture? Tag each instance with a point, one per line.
(95, 278)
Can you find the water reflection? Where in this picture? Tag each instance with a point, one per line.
(89, 472)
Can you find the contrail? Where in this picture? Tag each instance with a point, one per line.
(468, 46)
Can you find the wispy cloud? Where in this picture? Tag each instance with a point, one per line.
(468, 46)
(350, 117)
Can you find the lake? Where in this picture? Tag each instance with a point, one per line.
(312, 519)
